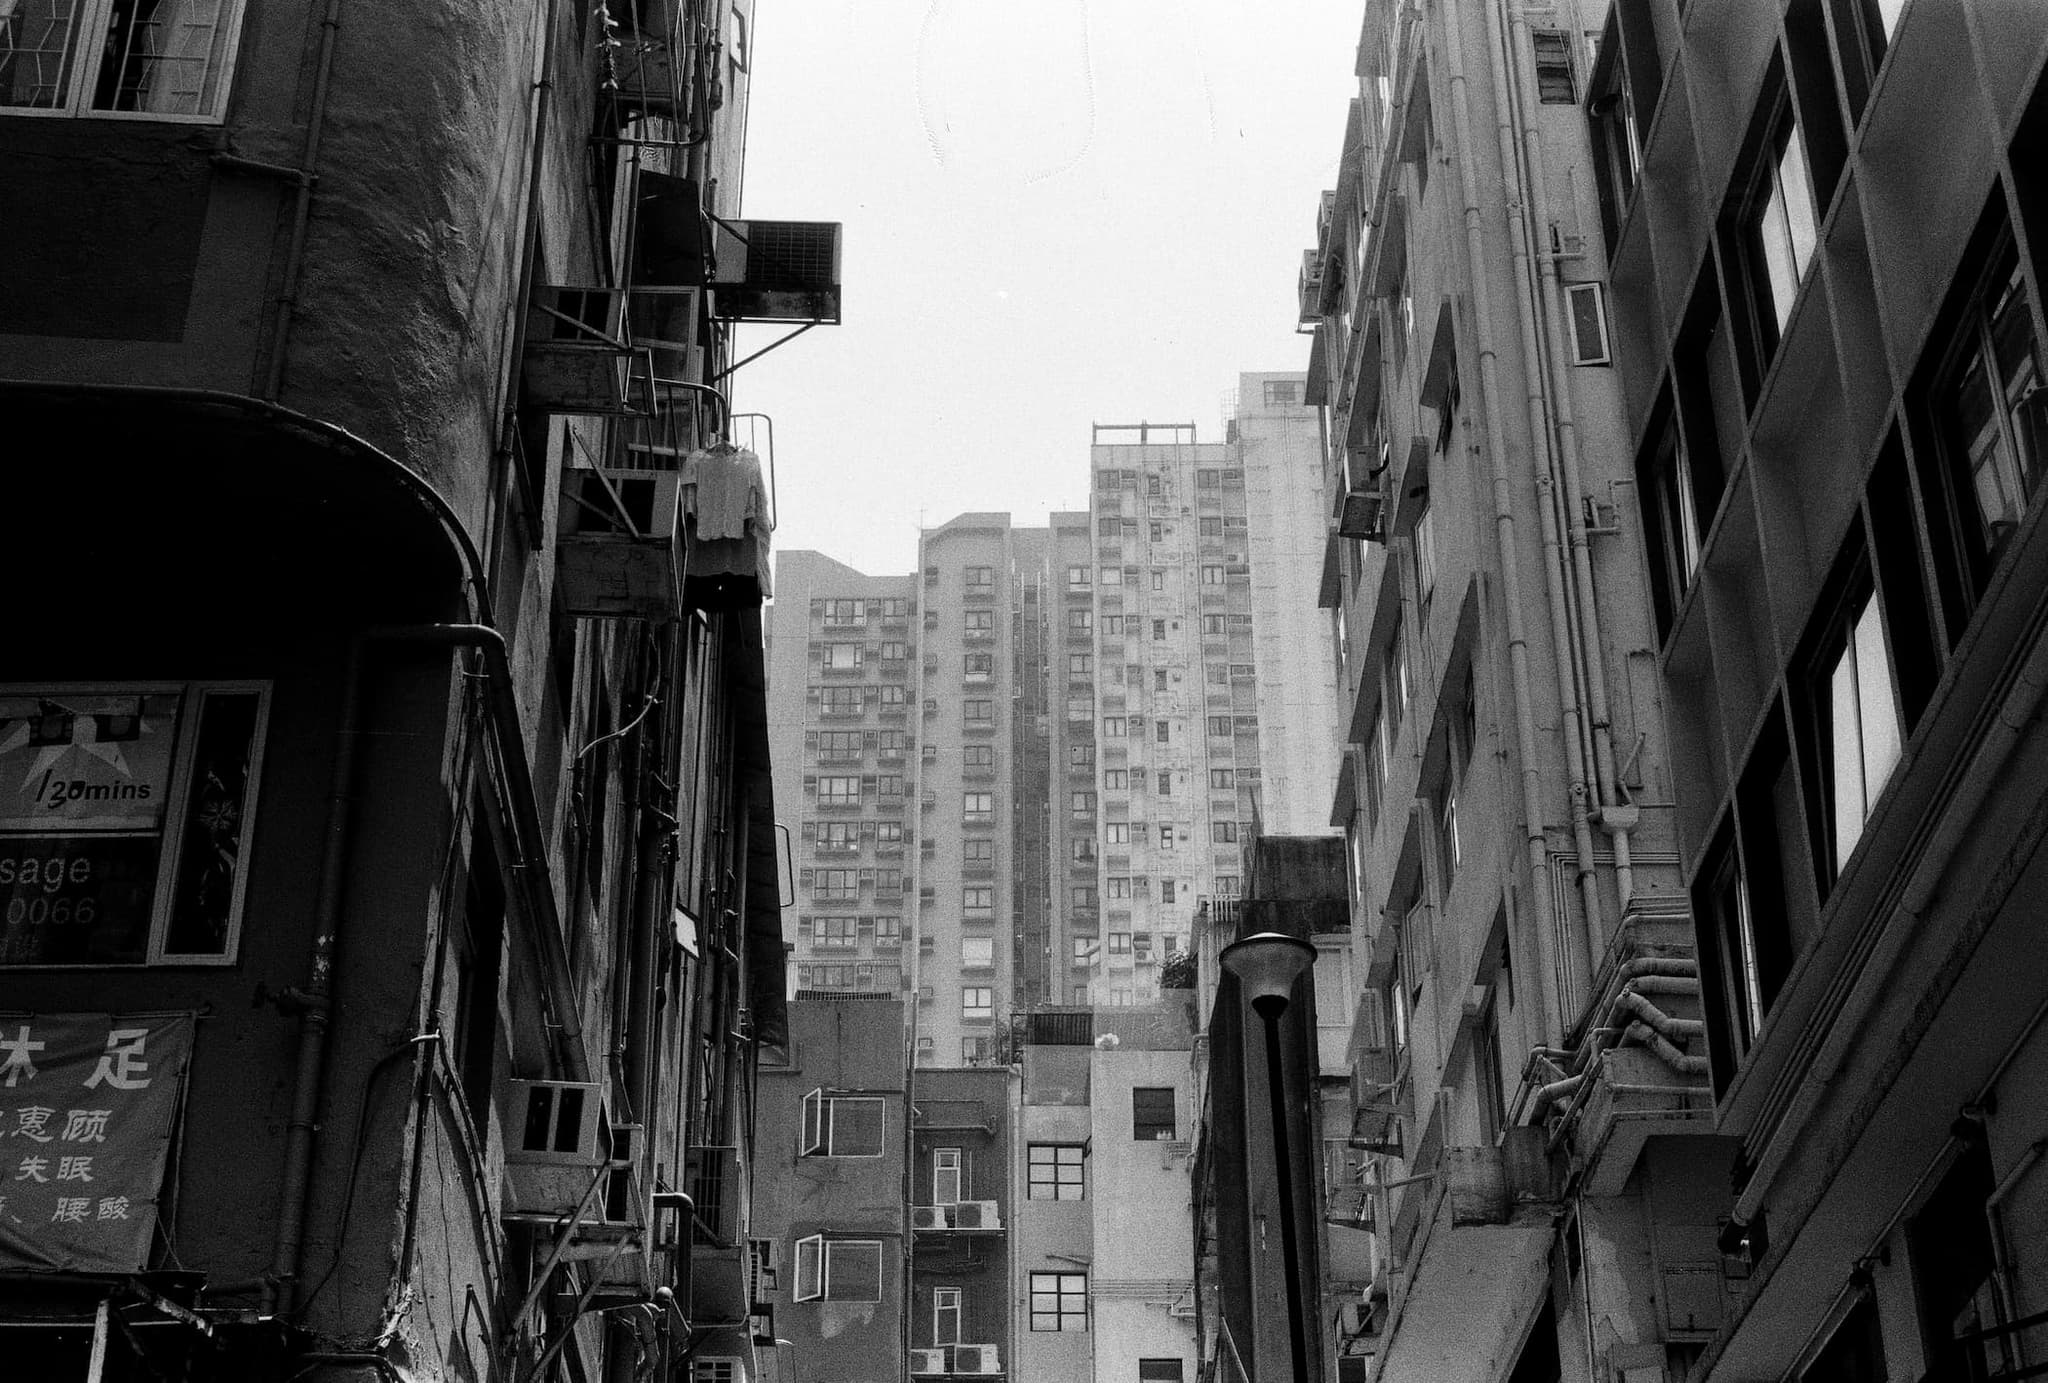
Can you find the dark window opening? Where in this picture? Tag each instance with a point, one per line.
(1554, 84)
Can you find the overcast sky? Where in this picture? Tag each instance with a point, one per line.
(1057, 213)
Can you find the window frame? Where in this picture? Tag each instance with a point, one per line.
(819, 1250)
(1149, 1124)
(82, 70)
(818, 1131)
(1058, 1292)
(1055, 1182)
(178, 812)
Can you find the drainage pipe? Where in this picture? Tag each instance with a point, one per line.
(1548, 296)
(308, 174)
(1577, 738)
(1536, 841)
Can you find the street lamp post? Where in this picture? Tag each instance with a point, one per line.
(1266, 965)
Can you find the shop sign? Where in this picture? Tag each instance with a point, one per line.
(88, 1106)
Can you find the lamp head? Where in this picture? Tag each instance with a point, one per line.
(1267, 964)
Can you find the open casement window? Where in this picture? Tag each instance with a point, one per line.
(1856, 730)
(1991, 413)
(842, 1125)
(124, 821)
(152, 59)
(838, 1269)
(1769, 231)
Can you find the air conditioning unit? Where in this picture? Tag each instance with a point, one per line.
(1309, 286)
(1357, 1319)
(928, 1361)
(977, 1359)
(977, 1215)
(929, 1217)
(1363, 515)
(717, 1369)
(619, 553)
(776, 271)
(558, 1151)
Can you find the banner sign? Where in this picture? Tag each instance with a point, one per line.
(88, 1106)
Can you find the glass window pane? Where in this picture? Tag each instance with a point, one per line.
(210, 848)
(165, 57)
(35, 63)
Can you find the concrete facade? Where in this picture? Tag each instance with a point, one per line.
(461, 880)
(1701, 365)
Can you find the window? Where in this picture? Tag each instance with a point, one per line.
(1745, 961)
(1158, 579)
(888, 931)
(977, 952)
(1112, 576)
(1082, 803)
(894, 698)
(895, 651)
(1059, 1301)
(978, 850)
(889, 784)
(1117, 832)
(1082, 897)
(1856, 730)
(124, 818)
(896, 607)
(1210, 527)
(1119, 886)
(1450, 844)
(1957, 1275)
(1777, 230)
(1116, 779)
(835, 933)
(1081, 756)
(1159, 630)
(1227, 885)
(1108, 526)
(1863, 28)
(1223, 832)
(840, 701)
(1398, 688)
(1281, 393)
(1113, 727)
(1223, 779)
(977, 1003)
(1080, 664)
(838, 1269)
(1855, 1351)
(1212, 576)
(1080, 621)
(1207, 479)
(1152, 1114)
(1166, 837)
(981, 579)
(842, 611)
(1119, 943)
(1422, 543)
(839, 790)
(1219, 727)
(978, 900)
(839, 744)
(1077, 578)
(1055, 1172)
(836, 883)
(1165, 783)
(978, 711)
(158, 58)
(1161, 1370)
(977, 806)
(1554, 85)
(978, 667)
(982, 756)
(946, 1303)
(843, 657)
(888, 832)
(1085, 949)
(1157, 533)
(1991, 426)
(1083, 848)
(1672, 516)
(842, 1125)
(1112, 625)
(1618, 113)
(979, 621)
(1162, 731)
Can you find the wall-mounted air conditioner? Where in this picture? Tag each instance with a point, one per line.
(929, 1217)
(1363, 515)
(928, 1361)
(977, 1215)
(619, 552)
(776, 271)
(559, 1145)
(977, 1359)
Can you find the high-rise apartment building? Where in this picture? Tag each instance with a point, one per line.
(1066, 723)
(1685, 392)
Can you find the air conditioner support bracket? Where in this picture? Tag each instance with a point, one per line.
(750, 359)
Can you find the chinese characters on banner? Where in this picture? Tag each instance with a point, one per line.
(88, 1104)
